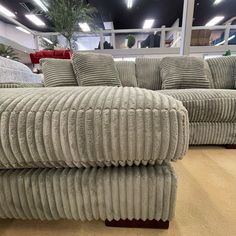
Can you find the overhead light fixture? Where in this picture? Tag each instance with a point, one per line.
(41, 5)
(85, 27)
(22, 29)
(33, 18)
(129, 3)
(148, 23)
(215, 20)
(217, 2)
(47, 40)
(6, 12)
(230, 38)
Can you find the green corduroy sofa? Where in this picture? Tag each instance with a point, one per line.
(104, 153)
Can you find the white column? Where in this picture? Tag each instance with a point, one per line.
(187, 27)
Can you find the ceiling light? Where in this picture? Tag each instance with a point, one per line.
(230, 38)
(148, 24)
(41, 5)
(217, 2)
(47, 40)
(215, 20)
(35, 20)
(6, 12)
(129, 3)
(22, 29)
(85, 27)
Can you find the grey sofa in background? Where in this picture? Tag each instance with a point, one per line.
(212, 112)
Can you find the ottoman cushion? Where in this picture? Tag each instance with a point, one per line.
(208, 105)
(90, 126)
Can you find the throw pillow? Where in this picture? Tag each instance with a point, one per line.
(93, 69)
(58, 72)
(183, 73)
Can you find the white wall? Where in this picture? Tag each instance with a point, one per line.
(10, 32)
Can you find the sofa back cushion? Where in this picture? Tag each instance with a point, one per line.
(14, 71)
(127, 73)
(58, 72)
(222, 69)
(148, 73)
(183, 73)
(93, 69)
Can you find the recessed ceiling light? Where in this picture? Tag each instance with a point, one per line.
(41, 5)
(33, 18)
(22, 29)
(6, 12)
(215, 20)
(217, 2)
(85, 27)
(129, 3)
(47, 40)
(148, 23)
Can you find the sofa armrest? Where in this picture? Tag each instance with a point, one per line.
(90, 126)
(20, 85)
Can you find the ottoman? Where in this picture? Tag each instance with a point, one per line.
(90, 153)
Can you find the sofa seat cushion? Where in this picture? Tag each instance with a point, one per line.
(90, 126)
(207, 105)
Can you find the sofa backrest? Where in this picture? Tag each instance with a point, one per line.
(13, 71)
(219, 71)
(148, 73)
(223, 72)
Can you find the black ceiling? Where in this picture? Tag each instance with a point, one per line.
(165, 12)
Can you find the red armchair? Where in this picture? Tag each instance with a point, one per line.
(58, 54)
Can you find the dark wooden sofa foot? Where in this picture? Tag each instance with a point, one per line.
(230, 146)
(152, 224)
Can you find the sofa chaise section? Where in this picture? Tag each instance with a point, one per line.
(90, 126)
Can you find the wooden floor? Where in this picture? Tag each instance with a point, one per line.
(206, 203)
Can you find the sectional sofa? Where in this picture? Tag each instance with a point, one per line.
(89, 153)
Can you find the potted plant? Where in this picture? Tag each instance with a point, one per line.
(66, 14)
(131, 41)
(8, 52)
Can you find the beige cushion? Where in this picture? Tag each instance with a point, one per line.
(222, 69)
(127, 74)
(148, 73)
(183, 73)
(58, 72)
(93, 69)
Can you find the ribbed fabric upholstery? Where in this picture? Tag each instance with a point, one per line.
(208, 105)
(222, 69)
(90, 126)
(209, 75)
(58, 72)
(93, 69)
(127, 73)
(21, 85)
(148, 73)
(206, 133)
(183, 73)
(89, 194)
